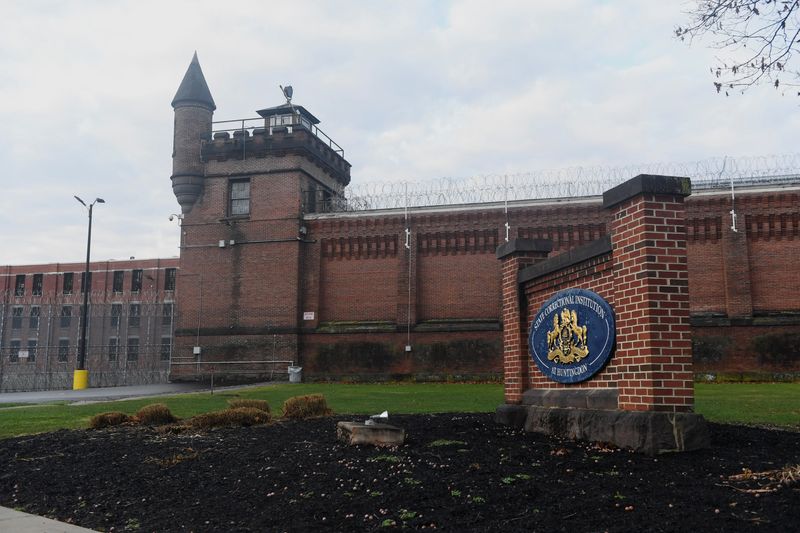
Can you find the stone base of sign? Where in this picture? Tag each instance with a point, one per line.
(649, 432)
(579, 398)
(353, 433)
(511, 415)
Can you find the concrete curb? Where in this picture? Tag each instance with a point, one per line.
(19, 522)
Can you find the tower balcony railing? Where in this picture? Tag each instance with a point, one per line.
(246, 127)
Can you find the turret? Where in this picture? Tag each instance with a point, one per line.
(194, 109)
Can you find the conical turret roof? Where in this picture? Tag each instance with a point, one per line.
(194, 89)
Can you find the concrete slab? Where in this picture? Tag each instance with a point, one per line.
(373, 434)
(19, 522)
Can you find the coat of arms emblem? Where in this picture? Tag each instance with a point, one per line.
(566, 342)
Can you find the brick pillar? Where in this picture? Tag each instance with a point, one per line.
(514, 256)
(648, 238)
(736, 260)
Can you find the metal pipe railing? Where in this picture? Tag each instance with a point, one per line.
(247, 125)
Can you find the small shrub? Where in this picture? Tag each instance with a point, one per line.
(777, 349)
(237, 416)
(105, 420)
(710, 349)
(261, 405)
(155, 414)
(310, 406)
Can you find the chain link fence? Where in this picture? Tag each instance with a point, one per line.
(129, 340)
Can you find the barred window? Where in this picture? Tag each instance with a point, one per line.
(166, 348)
(19, 285)
(133, 348)
(13, 353)
(66, 316)
(169, 279)
(34, 318)
(37, 284)
(63, 350)
(113, 348)
(16, 317)
(239, 198)
(134, 315)
(116, 312)
(68, 279)
(119, 279)
(136, 280)
(166, 315)
(33, 344)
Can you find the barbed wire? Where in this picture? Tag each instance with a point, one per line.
(712, 173)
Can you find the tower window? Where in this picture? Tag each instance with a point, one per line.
(239, 198)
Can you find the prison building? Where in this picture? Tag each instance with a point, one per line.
(280, 264)
(279, 267)
(130, 323)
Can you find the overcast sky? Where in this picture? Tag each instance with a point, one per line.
(413, 90)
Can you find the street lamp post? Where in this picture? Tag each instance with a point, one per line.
(81, 378)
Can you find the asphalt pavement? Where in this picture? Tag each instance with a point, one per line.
(100, 394)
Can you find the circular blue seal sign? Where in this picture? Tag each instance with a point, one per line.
(572, 335)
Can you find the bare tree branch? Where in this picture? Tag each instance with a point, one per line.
(760, 38)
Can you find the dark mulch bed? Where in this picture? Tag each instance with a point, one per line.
(457, 472)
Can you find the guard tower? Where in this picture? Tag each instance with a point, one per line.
(243, 186)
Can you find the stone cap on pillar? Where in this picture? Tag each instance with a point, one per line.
(518, 246)
(647, 184)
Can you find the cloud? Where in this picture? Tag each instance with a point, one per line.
(412, 90)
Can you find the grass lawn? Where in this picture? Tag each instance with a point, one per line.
(750, 403)
(763, 403)
(342, 398)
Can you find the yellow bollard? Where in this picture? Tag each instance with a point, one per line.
(80, 380)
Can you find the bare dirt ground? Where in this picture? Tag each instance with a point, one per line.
(456, 472)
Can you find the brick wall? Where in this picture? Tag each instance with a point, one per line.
(355, 268)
